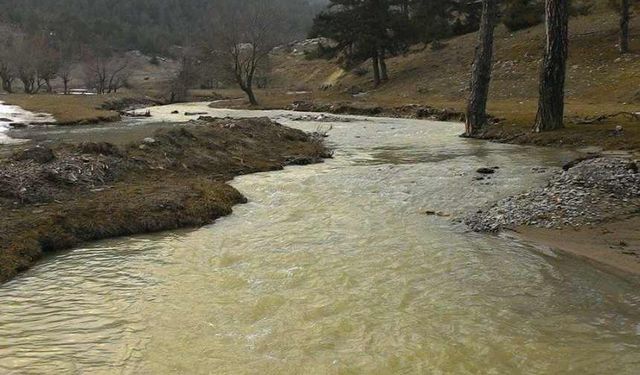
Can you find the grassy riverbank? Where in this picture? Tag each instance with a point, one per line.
(56, 199)
(67, 109)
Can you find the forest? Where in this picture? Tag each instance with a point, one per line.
(151, 26)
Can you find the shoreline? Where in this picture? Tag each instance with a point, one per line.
(590, 209)
(512, 127)
(613, 246)
(542, 236)
(57, 198)
(582, 241)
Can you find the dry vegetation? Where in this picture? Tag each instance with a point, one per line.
(67, 109)
(92, 191)
(599, 81)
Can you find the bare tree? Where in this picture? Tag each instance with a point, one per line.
(186, 76)
(7, 75)
(24, 56)
(7, 67)
(552, 76)
(246, 33)
(476, 118)
(35, 63)
(106, 73)
(47, 63)
(66, 67)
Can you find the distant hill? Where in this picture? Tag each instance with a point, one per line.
(151, 26)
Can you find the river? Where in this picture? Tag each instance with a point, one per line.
(332, 269)
(10, 114)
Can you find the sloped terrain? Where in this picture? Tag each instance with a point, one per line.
(599, 81)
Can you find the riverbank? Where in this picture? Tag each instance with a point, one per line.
(589, 209)
(605, 126)
(613, 245)
(54, 199)
(79, 109)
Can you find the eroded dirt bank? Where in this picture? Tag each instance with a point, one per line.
(54, 199)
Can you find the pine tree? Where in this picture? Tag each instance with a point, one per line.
(552, 76)
(476, 118)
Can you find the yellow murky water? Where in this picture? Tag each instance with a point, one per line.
(332, 269)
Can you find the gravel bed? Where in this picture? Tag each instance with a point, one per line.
(592, 191)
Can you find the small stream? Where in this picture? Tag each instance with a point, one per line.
(330, 269)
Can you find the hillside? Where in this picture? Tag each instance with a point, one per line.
(153, 26)
(599, 80)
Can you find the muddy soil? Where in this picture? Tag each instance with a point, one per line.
(55, 198)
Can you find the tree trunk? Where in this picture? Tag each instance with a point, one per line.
(481, 71)
(65, 82)
(384, 75)
(624, 26)
(47, 83)
(251, 96)
(7, 86)
(376, 70)
(552, 76)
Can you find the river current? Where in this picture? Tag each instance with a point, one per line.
(333, 268)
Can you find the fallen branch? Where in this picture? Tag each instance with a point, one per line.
(597, 119)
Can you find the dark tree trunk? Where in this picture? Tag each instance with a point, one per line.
(28, 85)
(7, 86)
(65, 82)
(481, 71)
(624, 26)
(252, 97)
(552, 76)
(384, 75)
(376, 70)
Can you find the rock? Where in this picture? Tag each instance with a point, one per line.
(149, 141)
(633, 167)
(39, 154)
(18, 125)
(195, 113)
(2, 119)
(486, 171)
(619, 130)
(436, 213)
(175, 112)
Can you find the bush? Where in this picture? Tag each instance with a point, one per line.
(154, 61)
(522, 14)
